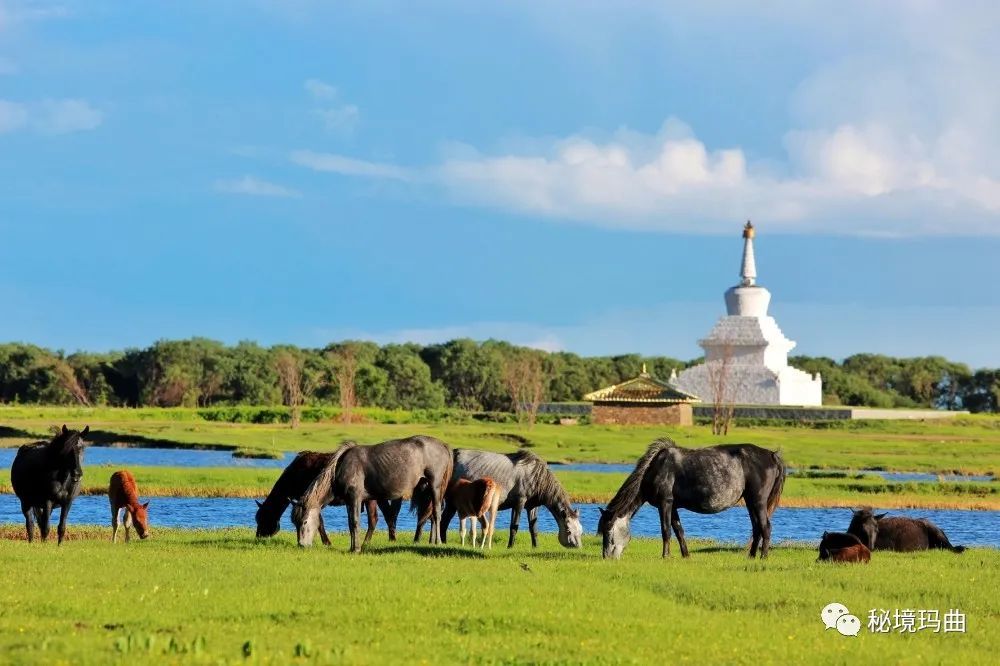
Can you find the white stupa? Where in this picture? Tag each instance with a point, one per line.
(746, 354)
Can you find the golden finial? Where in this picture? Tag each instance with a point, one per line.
(644, 369)
(748, 231)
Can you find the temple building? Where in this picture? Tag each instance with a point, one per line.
(746, 354)
(642, 400)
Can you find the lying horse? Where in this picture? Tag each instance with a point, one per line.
(478, 501)
(842, 547)
(387, 471)
(47, 475)
(124, 494)
(292, 483)
(707, 480)
(525, 483)
(898, 533)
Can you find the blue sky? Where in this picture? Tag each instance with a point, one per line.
(570, 175)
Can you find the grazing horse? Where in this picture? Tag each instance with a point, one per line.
(707, 480)
(843, 547)
(292, 483)
(387, 471)
(525, 483)
(46, 475)
(898, 533)
(124, 494)
(478, 501)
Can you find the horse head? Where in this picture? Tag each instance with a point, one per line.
(570, 528)
(66, 450)
(864, 525)
(267, 523)
(140, 518)
(614, 530)
(306, 521)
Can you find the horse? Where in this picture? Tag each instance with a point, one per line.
(478, 501)
(706, 480)
(897, 533)
(525, 483)
(292, 483)
(387, 471)
(46, 475)
(842, 547)
(124, 494)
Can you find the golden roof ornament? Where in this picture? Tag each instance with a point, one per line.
(748, 230)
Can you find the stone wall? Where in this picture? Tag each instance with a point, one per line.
(642, 414)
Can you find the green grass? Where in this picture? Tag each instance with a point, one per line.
(213, 596)
(582, 486)
(968, 444)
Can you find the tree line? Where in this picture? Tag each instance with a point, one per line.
(465, 374)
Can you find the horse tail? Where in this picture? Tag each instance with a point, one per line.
(778, 486)
(938, 539)
(489, 490)
(318, 492)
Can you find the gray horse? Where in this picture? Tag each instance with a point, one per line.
(387, 471)
(707, 480)
(526, 483)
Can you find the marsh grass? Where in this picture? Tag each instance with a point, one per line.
(221, 596)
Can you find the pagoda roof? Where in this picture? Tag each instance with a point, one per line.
(643, 388)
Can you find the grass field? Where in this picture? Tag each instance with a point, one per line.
(966, 445)
(217, 596)
(582, 486)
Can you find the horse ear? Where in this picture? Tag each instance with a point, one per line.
(85, 431)
(601, 510)
(880, 516)
(146, 505)
(260, 505)
(65, 429)
(293, 501)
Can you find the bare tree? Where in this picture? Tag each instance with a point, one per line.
(67, 380)
(289, 370)
(524, 375)
(346, 370)
(720, 380)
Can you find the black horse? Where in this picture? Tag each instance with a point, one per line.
(905, 535)
(47, 475)
(707, 480)
(387, 471)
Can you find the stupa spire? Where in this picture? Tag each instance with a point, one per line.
(748, 271)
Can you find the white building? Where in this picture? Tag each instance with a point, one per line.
(746, 354)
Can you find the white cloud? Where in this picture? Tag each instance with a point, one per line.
(337, 115)
(894, 133)
(347, 166)
(13, 116)
(252, 186)
(59, 116)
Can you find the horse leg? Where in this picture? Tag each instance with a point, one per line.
(515, 520)
(128, 525)
(484, 526)
(63, 515)
(675, 522)
(321, 528)
(42, 515)
(461, 529)
(114, 524)
(371, 508)
(29, 523)
(755, 527)
(390, 511)
(473, 520)
(436, 510)
(353, 517)
(763, 527)
(665, 527)
(533, 526)
(446, 516)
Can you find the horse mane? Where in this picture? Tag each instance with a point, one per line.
(624, 499)
(63, 442)
(535, 476)
(317, 494)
